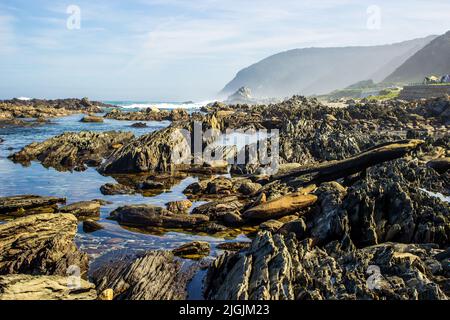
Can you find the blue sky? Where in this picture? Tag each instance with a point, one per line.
(181, 50)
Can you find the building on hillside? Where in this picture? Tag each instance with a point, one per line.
(445, 79)
(431, 80)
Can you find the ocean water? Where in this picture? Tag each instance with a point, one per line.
(136, 105)
(16, 179)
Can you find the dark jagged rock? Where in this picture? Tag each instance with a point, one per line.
(193, 250)
(441, 165)
(116, 188)
(40, 245)
(152, 216)
(73, 151)
(29, 204)
(90, 226)
(92, 119)
(139, 125)
(155, 275)
(282, 268)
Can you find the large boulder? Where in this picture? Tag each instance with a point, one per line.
(28, 287)
(155, 275)
(276, 267)
(151, 152)
(73, 151)
(40, 245)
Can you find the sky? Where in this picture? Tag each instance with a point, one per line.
(180, 50)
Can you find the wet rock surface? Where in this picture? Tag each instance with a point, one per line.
(153, 216)
(83, 209)
(154, 275)
(73, 151)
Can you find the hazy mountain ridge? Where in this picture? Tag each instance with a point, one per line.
(433, 59)
(322, 70)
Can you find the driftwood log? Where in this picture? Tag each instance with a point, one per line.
(332, 170)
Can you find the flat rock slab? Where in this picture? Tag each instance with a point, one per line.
(40, 245)
(83, 209)
(279, 207)
(152, 216)
(29, 204)
(27, 287)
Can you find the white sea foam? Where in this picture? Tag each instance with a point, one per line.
(164, 105)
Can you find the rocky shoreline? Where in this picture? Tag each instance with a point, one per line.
(351, 212)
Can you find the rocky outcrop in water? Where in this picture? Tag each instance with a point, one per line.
(149, 114)
(83, 209)
(116, 188)
(152, 216)
(40, 245)
(193, 250)
(155, 275)
(29, 204)
(151, 152)
(73, 151)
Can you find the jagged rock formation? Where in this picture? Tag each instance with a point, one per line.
(283, 268)
(73, 151)
(40, 245)
(151, 152)
(27, 287)
(155, 275)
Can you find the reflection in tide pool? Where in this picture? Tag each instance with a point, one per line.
(16, 179)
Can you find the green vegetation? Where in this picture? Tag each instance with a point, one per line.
(386, 94)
